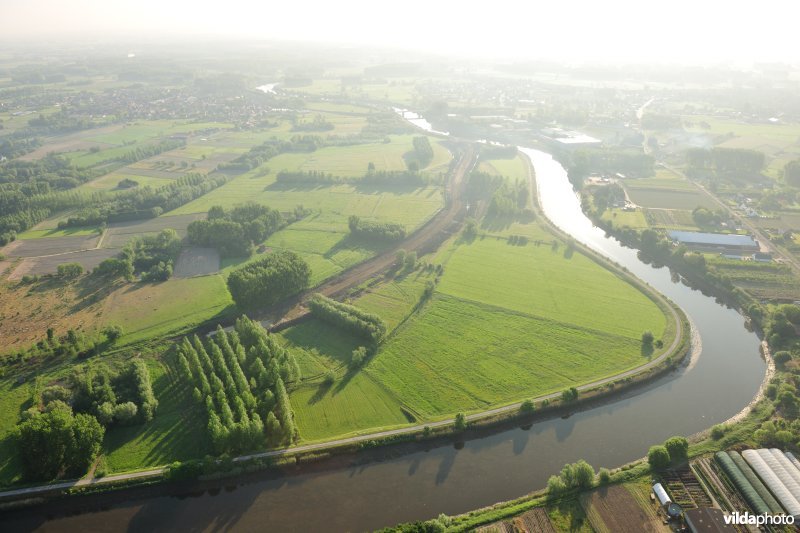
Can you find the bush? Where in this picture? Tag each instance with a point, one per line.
(658, 458)
(782, 357)
(718, 431)
(678, 448)
(527, 406)
(69, 270)
(603, 477)
(113, 333)
(358, 357)
(125, 413)
(460, 423)
(569, 395)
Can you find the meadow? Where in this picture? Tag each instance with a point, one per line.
(552, 320)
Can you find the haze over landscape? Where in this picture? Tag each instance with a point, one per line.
(416, 268)
(681, 31)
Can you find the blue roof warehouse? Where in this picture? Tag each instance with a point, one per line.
(715, 242)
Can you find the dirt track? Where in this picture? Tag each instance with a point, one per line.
(426, 239)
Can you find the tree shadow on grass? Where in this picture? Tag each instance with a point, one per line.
(351, 243)
(320, 393)
(647, 349)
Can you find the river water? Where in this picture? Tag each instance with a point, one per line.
(454, 479)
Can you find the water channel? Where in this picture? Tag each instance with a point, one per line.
(454, 479)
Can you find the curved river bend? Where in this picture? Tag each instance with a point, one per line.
(506, 465)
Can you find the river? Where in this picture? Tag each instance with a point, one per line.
(454, 479)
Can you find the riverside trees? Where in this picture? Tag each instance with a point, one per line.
(240, 377)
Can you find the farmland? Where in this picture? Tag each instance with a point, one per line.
(529, 333)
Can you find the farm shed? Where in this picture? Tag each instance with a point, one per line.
(742, 484)
(762, 490)
(715, 242)
(765, 466)
(706, 520)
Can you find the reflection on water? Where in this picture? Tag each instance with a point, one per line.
(475, 473)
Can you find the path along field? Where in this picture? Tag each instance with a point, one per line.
(506, 323)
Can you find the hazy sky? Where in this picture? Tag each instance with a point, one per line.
(669, 30)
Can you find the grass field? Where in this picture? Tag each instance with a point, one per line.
(632, 219)
(110, 181)
(151, 310)
(671, 199)
(176, 433)
(538, 281)
(550, 321)
(407, 206)
(514, 168)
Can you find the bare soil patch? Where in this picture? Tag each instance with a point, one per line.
(615, 509)
(71, 143)
(39, 266)
(50, 246)
(196, 261)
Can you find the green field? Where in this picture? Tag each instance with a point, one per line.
(671, 199)
(152, 310)
(110, 181)
(554, 285)
(515, 168)
(632, 219)
(550, 321)
(177, 433)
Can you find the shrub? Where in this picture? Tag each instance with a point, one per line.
(603, 477)
(358, 357)
(527, 406)
(678, 448)
(113, 333)
(347, 316)
(718, 431)
(460, 423)
(69, 270)
(658, 457)
(782, 357)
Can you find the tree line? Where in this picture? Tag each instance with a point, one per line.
(240, 378)
(738, 161)
(349, 317)
(234, 233)
(269, 280)
(262, 153)
(372, 177)
(143, 152)
(375, 231)
(145, 202)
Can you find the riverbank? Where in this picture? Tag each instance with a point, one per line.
(548, 406)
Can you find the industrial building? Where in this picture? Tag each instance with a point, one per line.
(722, 243)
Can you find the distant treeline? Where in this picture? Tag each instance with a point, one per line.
(143, 152)
(349, 317)
(610, 160)
(377, 231)
(723, 160)
(234, 233)
(146, 202)
(372, 177)
(262, 153)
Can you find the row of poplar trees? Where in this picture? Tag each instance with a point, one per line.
(241, 377)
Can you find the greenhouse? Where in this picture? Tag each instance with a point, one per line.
(743, 485)
(775, 477)
(762, 490)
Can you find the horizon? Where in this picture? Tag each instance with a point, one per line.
(616, 32)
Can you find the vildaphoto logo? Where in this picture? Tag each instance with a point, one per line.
(747, 519)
